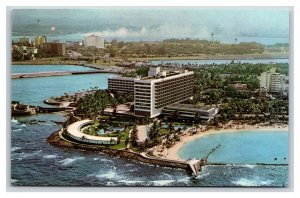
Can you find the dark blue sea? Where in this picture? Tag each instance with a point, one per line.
(36, 163)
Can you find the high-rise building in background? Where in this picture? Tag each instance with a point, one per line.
(94, 41)
(40, 40)
(273, 82)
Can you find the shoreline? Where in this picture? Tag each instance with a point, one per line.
(56, 61)
(172, 153)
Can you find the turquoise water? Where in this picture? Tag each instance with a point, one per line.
(46, 68)
(110, 129)
(247, 147)
(34, 90)
(176, 127)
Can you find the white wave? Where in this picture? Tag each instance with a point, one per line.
(12, 181)
(251, 182)
(185, 180)
(129, 165)
(68, 161)
(15, 130)
(133, 170)
(49, 156)
(105, 160)
(14, 120)
(23, 125)
(251, 166)
(110, 184)
(95, 159)
(15, 149)
(26, 155)
(202, 175)
(162, 182)
(111, 174)
(130, 182)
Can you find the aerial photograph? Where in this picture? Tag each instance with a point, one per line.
(149, 96)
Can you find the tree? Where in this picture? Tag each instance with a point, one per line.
(92, 103)
(171, 127)
(133, 136)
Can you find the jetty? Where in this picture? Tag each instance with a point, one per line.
(52, 109)
(62, 73)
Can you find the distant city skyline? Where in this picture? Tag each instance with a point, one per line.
(155, 23)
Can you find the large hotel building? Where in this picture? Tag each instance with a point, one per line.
(159, 89)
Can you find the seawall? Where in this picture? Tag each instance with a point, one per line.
(56, 140)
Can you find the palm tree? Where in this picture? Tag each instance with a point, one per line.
(171, 127)
(92, 103)
(133, 136)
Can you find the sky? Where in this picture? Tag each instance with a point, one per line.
(155, 23)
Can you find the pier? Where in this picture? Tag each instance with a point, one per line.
(62, 73)
(52, 109)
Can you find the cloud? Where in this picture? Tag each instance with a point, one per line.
(119, 33)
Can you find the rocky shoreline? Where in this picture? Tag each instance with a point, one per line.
(55, 139)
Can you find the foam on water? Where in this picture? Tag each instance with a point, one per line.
(15, 130)
(13, 120)
(49, 156)
(162, 182)
(202, 175)
(251, 182)
(27, 155)
(185, 180)
(129, 165)
(106, 160)
(69, 161)
(111, 174)
(12, 181)
(15, 148)
(131, 182)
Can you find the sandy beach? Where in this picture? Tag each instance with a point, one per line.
(171, 153)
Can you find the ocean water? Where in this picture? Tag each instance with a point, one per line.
(245, 147)
(208, 62)
(17, 69)
(36, 163)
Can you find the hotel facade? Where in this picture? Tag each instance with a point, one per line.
(94, 41)
(159, 89)
(273, 82)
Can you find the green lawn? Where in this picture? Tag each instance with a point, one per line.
(163, 131)
(123, 135)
